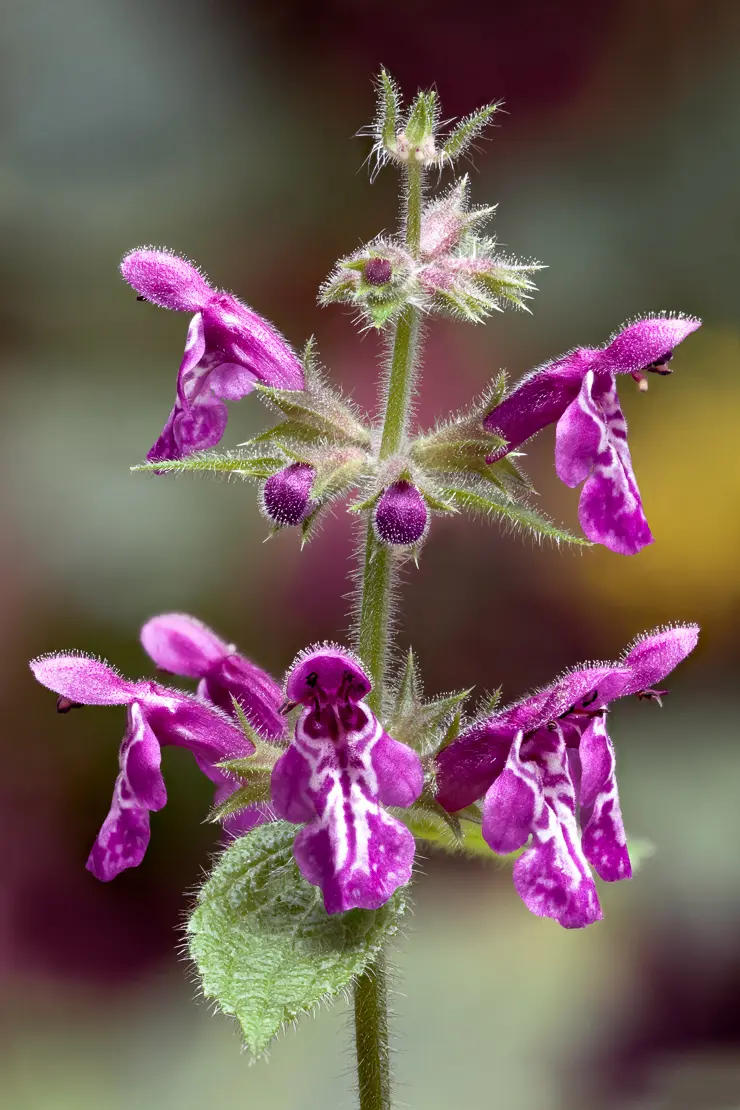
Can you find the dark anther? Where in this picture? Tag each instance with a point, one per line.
(590, 700)
(287, 706)
(141, 298)
(312, 679)
(65, 704)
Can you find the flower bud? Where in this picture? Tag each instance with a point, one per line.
(378, 271)
(401, 515)
(286, 496)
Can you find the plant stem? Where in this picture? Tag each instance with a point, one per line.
(371, 1038)
(375, 621)
(400, 382)
(375, 615)
(414, 190)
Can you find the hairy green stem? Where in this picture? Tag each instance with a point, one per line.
(375, 622)
(371, 1038)
(400, 382)
(375, 615)
(414, 186)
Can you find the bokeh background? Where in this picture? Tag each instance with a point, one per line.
(224, 130)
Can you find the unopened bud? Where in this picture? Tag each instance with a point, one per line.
(286, 496)
(401, 515)
(378, 271)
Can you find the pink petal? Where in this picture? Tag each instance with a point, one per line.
(552, 877)
(643, 342)
(166, 280)
(604, 840)
(511, 803)
(180, 644)
(655, 654)
(399, 772)
(591, 445)
(83, 679)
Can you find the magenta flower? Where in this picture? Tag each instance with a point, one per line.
(182, 645)
(579, 393)
(339, 771)
(546, 765)
(228, 349)
(156, 716)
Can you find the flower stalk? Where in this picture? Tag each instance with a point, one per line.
(375, 608)
(371, 1038)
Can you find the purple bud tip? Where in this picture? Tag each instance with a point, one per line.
(286, 496)
(401, 515)
(327, 673)
(378, 271)
(166, 280)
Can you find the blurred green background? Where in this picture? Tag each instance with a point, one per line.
(224, 130)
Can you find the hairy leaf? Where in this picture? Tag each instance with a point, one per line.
(265, 948)
(486, 504)
(422, 117)
(257, 790)
(467, 130)
(389, 108)
(210, 463)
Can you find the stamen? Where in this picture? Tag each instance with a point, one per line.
(641, 380)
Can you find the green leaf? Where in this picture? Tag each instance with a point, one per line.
(209, 463)
(381, 311)
(389, 108)
(265, 754)
(288, 430)
(434, 829)
(486, 504)
(423, 726)
(310, 526)
(422, 117)
(318, 409)
(265, 948)
(453, 731)
(489, 704)
(257, 790)
(467, 130)
(408, 694)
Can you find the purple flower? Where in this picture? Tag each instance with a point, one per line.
(401, 516)
(545, 760)
(228, 349)
(286, 495)
(156, 716)
(182, 645)
(579, 392)
(339, 771)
